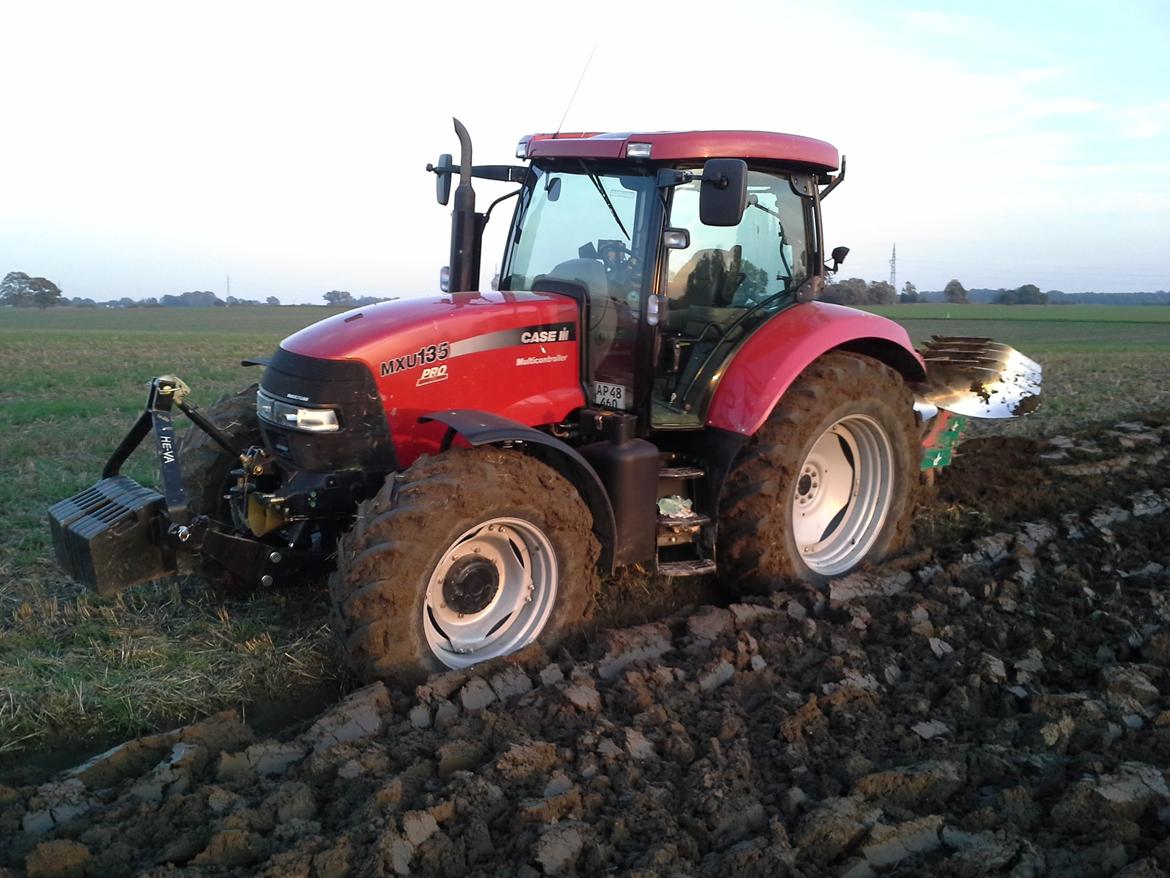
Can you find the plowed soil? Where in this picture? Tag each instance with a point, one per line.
(995, 703)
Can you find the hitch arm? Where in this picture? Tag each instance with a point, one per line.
(209, 428)
(166, 392)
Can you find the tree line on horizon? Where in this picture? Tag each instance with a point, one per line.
(855, 291)
(22, 291)
(19, 290)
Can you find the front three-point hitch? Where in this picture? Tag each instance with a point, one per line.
(117, 532)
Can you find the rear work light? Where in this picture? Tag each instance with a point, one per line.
(638, 150)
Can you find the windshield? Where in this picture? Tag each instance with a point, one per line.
(587, 226)
(583, 223)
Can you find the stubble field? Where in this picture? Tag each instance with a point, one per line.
(76, 668)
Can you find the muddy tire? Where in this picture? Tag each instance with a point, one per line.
(829, 482)
(207, 474)
(466, 556)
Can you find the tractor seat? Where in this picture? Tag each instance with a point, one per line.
(603, 312)
(589, 273)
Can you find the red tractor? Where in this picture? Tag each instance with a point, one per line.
(650, 381)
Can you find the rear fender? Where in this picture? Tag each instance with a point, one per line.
(764, 367)
(483, 428)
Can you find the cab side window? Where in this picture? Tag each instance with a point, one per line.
(738, 266)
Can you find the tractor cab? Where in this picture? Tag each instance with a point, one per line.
(675, 259)
(669, 296)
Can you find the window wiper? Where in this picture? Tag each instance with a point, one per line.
(596, 181)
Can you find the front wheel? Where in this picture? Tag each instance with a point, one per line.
(829, 482)
(467, 556)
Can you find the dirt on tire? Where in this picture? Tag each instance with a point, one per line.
(995, 703)
(384, 562)
(757, 547)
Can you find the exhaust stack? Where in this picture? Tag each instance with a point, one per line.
(466, 224)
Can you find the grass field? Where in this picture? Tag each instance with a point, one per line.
(75, 666)
(1029, 313)
(1040, 329)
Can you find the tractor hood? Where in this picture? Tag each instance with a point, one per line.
(379, 333)
(514, 354)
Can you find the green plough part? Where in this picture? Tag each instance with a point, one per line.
(942, 450)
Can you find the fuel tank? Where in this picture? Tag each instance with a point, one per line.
(515, 354)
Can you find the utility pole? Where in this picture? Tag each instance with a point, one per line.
(894, 267)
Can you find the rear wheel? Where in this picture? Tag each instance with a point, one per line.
(829, 482)
(207, 473)
(465, 557)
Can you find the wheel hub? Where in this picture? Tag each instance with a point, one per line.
(807, 485)
(491, 592)
(470, 584)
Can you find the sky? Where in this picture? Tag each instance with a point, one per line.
(154, 148)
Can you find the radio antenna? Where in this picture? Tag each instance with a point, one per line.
(573, 97)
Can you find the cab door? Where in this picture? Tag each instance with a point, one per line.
(618, 336)
(717, 290)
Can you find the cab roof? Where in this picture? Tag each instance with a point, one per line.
(684, 145)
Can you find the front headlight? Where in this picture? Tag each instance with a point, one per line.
(284, 414)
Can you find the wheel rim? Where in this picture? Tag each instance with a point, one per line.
(491, 593)
(842, 495)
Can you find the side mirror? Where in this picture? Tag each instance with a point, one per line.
(723, 192)
(443, 178)
(676, 239)
(838, 256)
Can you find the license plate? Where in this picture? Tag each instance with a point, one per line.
(614, 396)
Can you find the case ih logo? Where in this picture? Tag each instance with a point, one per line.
(547, 334)
(432, 353)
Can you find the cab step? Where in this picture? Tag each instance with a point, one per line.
(678, 531)
(698, 567)
(681, 472)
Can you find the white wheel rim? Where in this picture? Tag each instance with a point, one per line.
(842, 495)
(491, 593)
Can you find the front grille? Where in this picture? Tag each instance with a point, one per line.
(363, 442)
